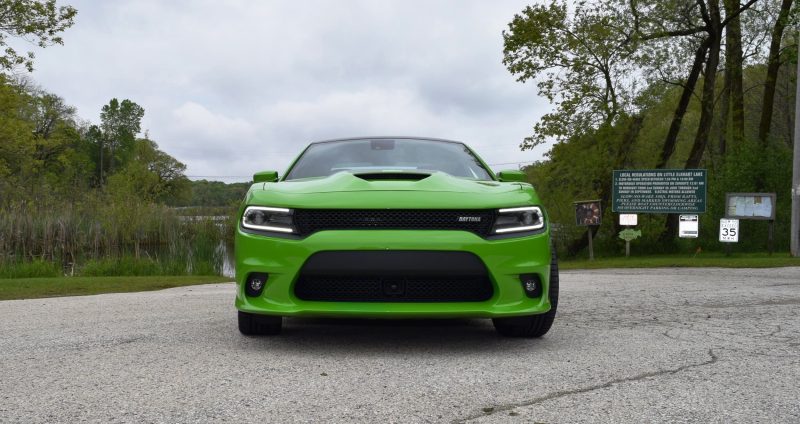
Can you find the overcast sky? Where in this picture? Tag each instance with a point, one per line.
(234, 87)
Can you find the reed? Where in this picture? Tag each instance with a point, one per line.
(97, 237)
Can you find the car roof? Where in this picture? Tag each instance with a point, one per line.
(383, 137)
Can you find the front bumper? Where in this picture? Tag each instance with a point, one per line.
(282, 259)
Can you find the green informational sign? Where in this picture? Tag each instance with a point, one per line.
(659, 191)
(630, 234)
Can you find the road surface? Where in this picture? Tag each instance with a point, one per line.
(688, 345)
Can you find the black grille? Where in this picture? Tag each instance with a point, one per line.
(309, 221)
(367, 289)
(394, 276)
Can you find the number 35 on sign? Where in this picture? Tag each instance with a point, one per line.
(729, 230)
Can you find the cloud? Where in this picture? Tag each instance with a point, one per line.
(231, 88)
(195, 118)
(371, 111)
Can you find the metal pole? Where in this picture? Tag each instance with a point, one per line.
(591, 248)
(794, 245)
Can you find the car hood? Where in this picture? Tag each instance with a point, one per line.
(403, 190)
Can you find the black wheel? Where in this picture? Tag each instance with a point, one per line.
(259, 325)
(533, 325)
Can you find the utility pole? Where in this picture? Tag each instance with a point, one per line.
(794, 244)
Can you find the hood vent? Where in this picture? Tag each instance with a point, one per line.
(392, 176)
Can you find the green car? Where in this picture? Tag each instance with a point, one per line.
(394, 227)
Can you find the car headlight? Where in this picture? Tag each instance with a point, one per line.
(511, 220)
(262, 218)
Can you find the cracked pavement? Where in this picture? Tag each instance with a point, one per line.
(677, 345)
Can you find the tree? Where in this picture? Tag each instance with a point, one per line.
(664, 27)
(700, 22)
(733, 90)
(152, 176)
(94, 136)
(580, 61)
(121, 122)
(50, 111)
(773, 65)
(664, 54)
(671, 139)
(37, 21)
(16, 141)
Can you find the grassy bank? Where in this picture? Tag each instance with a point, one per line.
(705, 259)
(31, 288)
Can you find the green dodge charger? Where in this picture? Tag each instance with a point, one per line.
(394, 227)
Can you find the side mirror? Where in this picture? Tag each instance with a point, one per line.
(265, 177)
(512, 176)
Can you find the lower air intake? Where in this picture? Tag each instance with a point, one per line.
(355, 289)
(394, 276)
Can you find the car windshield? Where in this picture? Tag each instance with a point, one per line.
(383, 154)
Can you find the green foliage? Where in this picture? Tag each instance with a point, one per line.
(33, 269)
(35, 21)
(604, 65)
(131, 266)
(214, 193)
(16, 140)
(120, 123)
(111, 238)
(151, 176)
(81, 198)
(579, 60)
(55, 209)
(576, 169)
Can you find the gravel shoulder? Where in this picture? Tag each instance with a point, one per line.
(633, 345)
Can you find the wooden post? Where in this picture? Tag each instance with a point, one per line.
(769, 240)
(591, 247)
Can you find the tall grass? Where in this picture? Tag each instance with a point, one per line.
(94, 237)
(33, 269)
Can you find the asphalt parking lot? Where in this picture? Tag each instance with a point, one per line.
(686, 345)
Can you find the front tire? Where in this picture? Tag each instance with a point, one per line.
(533, 325)
(259, 325)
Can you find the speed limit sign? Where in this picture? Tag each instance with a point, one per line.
(729, 230)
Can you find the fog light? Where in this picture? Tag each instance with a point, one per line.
(531, 284)
(255, 283)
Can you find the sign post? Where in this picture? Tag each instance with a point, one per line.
(628, 220)
(629, 234)
(588, 214)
